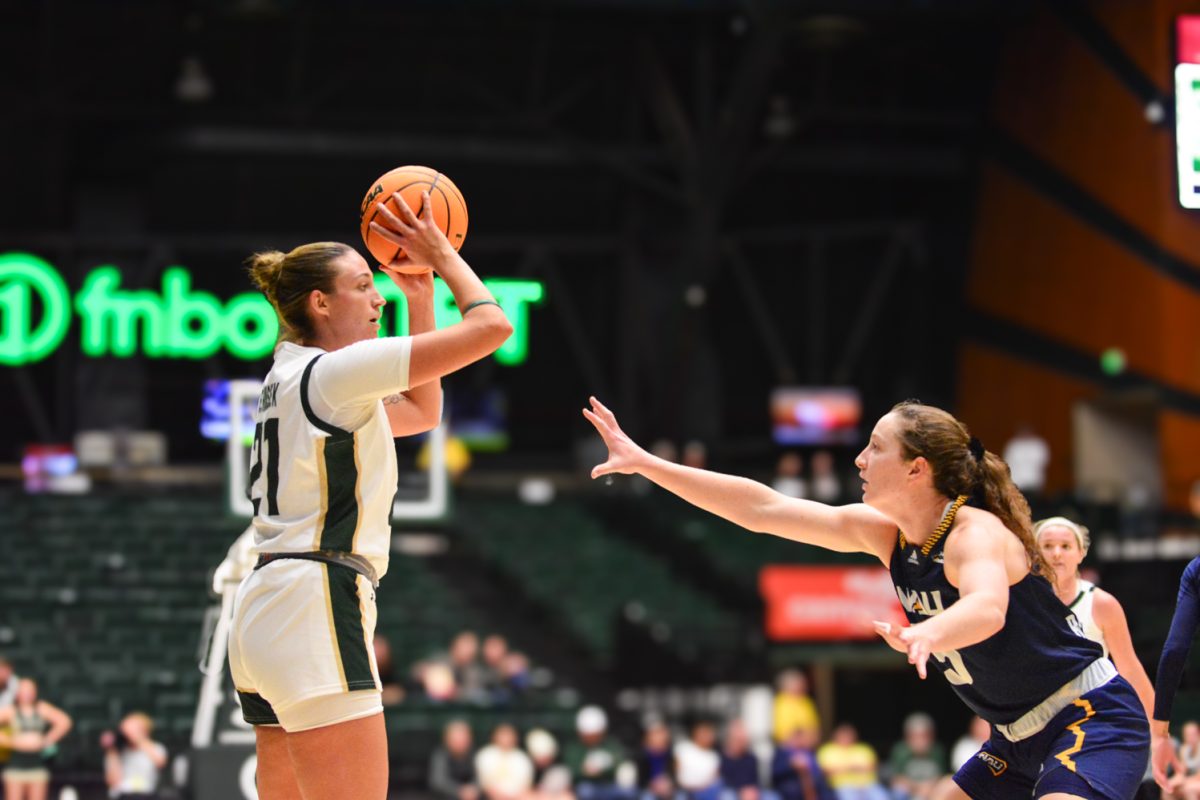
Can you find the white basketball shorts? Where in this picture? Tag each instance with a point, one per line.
(302, 631)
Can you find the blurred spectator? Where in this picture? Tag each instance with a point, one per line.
(470, 677)
(793, 707)
(437, 679)
(1187, 785)
(551, 780)
(655, 762)
(695, 454)
(969, 744)
(1027, 455)
(594, 757)
(393, 692)
(789, 477)
(1138, 517)
(452, 765)
(740, 773)
(1194, 499)
(503, 770)
(132, 760)
(916, 762)
(795, 773)
(851, 766)
(515, 670)
(34, 730)
(455, 674)
(8, 683)
(698, 764)
(826, 485)
(495, 648)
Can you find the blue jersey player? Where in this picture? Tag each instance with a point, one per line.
(1184, 625)
(1064, 724)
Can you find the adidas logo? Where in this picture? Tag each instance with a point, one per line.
(912, 558)
(939, 558)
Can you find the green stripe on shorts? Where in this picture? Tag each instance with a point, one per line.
(256, 710)
(348, 628)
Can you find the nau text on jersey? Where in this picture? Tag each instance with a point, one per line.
(267, 398)
(927, 604)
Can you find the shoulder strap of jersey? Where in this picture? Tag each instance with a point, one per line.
(332, 430)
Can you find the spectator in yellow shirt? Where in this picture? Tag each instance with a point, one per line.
(794, 709)
(851, 766)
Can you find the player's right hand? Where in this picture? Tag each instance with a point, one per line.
(1163, 755)
(423, 241)
(624, 455)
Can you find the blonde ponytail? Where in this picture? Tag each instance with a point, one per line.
(287, 279)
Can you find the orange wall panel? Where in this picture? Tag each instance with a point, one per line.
(1059, 100)
(989, 380)
(1179, 440)
(1036, 265)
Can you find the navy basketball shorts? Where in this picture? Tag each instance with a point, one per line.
(1097, 747)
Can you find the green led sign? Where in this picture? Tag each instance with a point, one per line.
(21, 277)
(179, 322)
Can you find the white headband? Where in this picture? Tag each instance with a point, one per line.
(1081, 533)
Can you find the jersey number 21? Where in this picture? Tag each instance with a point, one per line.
(267, 429)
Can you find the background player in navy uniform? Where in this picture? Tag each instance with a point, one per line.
(1184, 624)
(1064, 723)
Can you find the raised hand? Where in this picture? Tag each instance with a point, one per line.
(624, 455)
(423, 241)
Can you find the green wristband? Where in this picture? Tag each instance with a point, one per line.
(478, 303)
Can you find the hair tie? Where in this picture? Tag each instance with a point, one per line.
(976, 448)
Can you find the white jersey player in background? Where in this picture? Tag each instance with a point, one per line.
(1063, 545)
(322, 481)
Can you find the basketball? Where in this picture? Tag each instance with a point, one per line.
(449, 209)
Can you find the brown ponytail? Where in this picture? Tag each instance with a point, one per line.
(287, 280)
(945, 443)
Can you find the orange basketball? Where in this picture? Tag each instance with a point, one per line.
(449, 209)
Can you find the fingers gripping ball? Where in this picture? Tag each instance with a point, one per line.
(449, 209)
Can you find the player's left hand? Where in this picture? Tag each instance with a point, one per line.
(911, 640)
(889, 634)
(1162, 757)
(918, 646)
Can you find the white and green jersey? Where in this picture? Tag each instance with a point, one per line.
(323, 468)
(1082, 606)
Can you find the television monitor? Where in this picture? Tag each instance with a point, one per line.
(815, 415)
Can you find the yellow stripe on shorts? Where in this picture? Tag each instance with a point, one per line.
(1075, 728)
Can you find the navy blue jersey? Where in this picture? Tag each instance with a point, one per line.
(1039, 649)
(1184, 625)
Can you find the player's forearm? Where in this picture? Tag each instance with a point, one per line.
(968, 621)
(462, 281)
(728, 496)
(428, 396)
